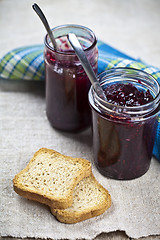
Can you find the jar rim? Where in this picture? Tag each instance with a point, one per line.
(71, 26)
(142, 110)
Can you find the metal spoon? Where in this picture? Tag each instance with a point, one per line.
(45, 23)
(86, 65)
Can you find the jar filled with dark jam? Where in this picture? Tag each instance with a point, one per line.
(124, 125)
(67, 84)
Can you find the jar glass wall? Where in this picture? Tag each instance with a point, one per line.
(123, 137)
(67, 84)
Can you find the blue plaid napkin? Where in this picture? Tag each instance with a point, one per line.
(27, 63)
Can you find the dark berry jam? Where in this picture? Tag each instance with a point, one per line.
(67, 87)
(122, 150)
(123, 146)
(127, 95)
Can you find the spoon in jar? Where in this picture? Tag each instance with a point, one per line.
(86, 65)
(45, 23)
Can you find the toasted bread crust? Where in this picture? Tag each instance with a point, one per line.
(69, 216)
(63, 200)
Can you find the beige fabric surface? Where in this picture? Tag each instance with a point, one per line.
(24, 129)
(130, 26)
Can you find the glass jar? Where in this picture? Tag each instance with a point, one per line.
(123, 137)
(67, 84)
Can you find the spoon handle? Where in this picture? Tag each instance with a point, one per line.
(86, 65)
(45, 22)
(82, 57)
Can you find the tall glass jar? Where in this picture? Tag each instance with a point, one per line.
(67, 84)
(123, 137)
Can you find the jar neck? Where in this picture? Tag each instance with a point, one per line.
(86, 37)
(126, 75)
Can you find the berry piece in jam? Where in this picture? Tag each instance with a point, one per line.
(127, 95)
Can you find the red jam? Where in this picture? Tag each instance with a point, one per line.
(123, 147)
(127, 95)
(67, 87)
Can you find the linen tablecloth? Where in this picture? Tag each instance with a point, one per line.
(24, 129)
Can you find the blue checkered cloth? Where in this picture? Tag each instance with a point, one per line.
(27, 63)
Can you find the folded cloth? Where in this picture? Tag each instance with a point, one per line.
(27, 63)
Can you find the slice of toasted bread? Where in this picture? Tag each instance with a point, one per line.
(50, 178)
(90, 199)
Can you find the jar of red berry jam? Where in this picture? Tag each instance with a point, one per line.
(124, 125)
(67, 84)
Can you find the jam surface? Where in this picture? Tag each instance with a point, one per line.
(127, 95)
